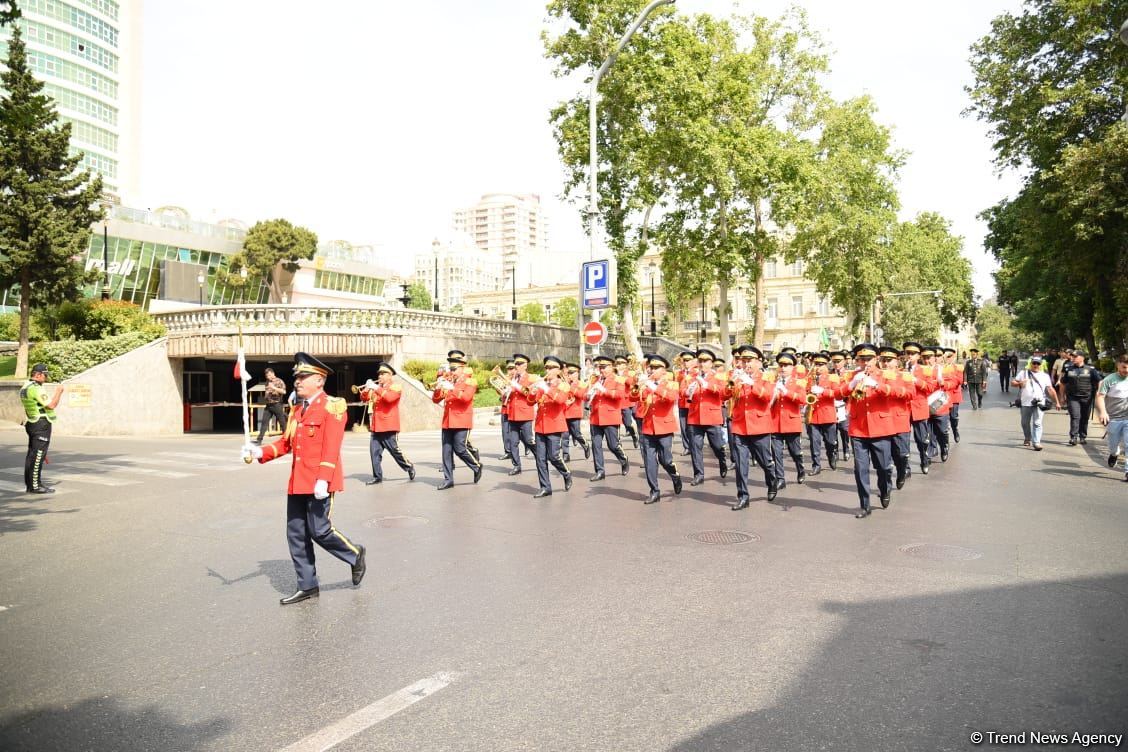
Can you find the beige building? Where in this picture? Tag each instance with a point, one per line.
(510, 226)
(461, 268)
(499, 304)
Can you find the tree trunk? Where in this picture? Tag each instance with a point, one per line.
(627, 325)
(722, 286)
(761, 305)
(25, 324)
(1091, 345)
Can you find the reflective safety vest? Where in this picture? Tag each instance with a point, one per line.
(35, 400)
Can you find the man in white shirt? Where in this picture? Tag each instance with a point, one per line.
(1035, 392)
(1112, 410)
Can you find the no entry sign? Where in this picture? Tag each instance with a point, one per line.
(595, 333)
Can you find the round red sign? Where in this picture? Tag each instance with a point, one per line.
(595, 333)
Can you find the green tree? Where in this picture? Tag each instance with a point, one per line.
(8, 12)
(271, 250)
(996, 332)
(914, 319)
(1052, 81)
(566, 312)
(533, 313)
(418, 297)
(46, 204)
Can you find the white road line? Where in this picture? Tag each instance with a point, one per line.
(100, 480)
(21, 489)
(200, 456)
(369, 716)
(108, 467)
(216, 465)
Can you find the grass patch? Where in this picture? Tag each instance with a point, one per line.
(7, 367)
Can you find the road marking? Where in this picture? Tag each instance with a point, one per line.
(21, 489)
(216, 465)
(76, 477)
(369, 716)
(123, 466)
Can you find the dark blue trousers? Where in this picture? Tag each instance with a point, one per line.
(629, 423)
(611, 434)
(879, 454)
(902, 452)
(454, 445)
(922, 436)
(520, 432)
(939, 425)
(380, 442)
(575, 434)
(505, 433)
(697, 437)
(547, 451)
(745, 448)
(683, 421)
(822, 434)
(308, 522)
(794, 448)
(657, 450)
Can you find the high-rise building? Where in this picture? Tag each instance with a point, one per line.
(509, 225)
(460, 267)
(87, 53)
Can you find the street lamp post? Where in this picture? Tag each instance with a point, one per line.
(702, 340)
(653, 324)
(1124, 40)
(513, 280)
(200, 284)
(106, 258)
(436, 305)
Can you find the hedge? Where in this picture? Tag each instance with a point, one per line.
(425, 370)
(67, 358)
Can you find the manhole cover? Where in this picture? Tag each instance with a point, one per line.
(723, 537)
(402, 520)
(939, 552)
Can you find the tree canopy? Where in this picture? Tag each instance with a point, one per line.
(566, 312)
(419, 297)
(271, 249)
(533, 313)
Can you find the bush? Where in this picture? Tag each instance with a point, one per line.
(67, 358)
(1106, 365)
(98, 319)
(10, 327)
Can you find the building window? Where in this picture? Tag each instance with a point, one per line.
(769, 268)
(773, 310)
(796, 269)
(796, 306)
(824, 305)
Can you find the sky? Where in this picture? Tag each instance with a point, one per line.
(371, 121)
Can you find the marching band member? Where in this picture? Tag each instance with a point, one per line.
(822, 422)
(657, 400)
(625, 406)
(871, 428)
(521, 411)
(574, 410)
(790, 397)
(924, 385)
(455, 392)
(687, 363)
(900, 410)
(705, 390)
(955, 394)
(551, 395)
(605, 395)
(751, 422)
(947, 380)
(506, 395)
(383, 399)
(838, 363)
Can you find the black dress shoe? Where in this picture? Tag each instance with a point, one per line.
(300, 595)
(780, 485)
(956, 435)
(833, 463)
(41, 490)
(773, 491)
(477, 455)
(634, 439)
(677, 485)
(598, 476)
(885, 501)
(654, 498)
(1112, 460)
(802, 475)
(626, 466)
(541, 494)
(901, 478)
(815, 471)
(359, 568)
(477, 473)
(924, 467)
(445, 485)
(740, 505)
(567, 458)
(506, 456)
(724, 469)
(1082, 439)
(373, 482)
(587, 452)
(697, 481)
(411, 473)
(943, 456)
(568, 482)
(862, 514)
(514, 471)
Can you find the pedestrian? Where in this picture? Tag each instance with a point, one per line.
(900, 411)
(1004, 366)
(550, 395)
(657, 394)
(1078, 384)
(1112, 411)
(455, 392)
(924, 386)
(383, 398)
(704, 390)
(975, 375)
(605, 395)
(505, 396)
(316, 429)
(838, 364)
(623, 369)
(39, 409)
(1035, 391)
(955, 393)
(274, 395)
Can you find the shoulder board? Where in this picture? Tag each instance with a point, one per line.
(469, 371)
(565, 388)
(906, 376)
(335, 406)
(620, 379)
(396, 388)
(800, 382)
(888, 373)
(834, 378)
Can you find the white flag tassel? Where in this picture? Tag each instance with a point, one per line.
(244, 377)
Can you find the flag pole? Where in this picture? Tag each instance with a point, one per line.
(246, 403)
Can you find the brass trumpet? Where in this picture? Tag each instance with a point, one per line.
(812, 399)
(370, 384)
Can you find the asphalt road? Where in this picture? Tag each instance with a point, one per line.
(139, 605)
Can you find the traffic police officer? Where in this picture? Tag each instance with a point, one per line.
(314, 434)
(1078, 384)
(40, 412)
(383, 399)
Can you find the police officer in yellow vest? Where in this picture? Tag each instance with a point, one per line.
(40, 410)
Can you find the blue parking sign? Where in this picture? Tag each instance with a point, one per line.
(595, 284)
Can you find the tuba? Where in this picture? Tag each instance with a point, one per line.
(497, 381)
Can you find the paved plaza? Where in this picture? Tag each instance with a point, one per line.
(139, 605)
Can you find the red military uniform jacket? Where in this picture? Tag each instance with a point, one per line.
(313, 435)
(705, 405)
(955, 394)
(871, 416)
(574, 408)
(752, 413)
(925, 385)
(683, 378)
(824, 412)
(787, 411)
(606, 407)
(523, 407)
(550, 409)
(660, 416)
(458, 403)
(949, 379)
(384, 405)
(902, 407)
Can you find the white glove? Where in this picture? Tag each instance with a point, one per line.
(600, 388)
(370, 384)
(444, 384)
(857, 380)
(747, 379)
(869, 381)
(701, 380)
(817, 390)
(652, 385)
(516, 384)
(543, 386)
(321, 489)
(252, 451)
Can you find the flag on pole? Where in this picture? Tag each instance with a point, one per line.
(241, 366)
(824, 337)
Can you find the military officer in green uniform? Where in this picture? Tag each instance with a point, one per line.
(40, 410)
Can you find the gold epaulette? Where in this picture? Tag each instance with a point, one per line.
(834, 378)
(887, 373)
(396, 388)
(621, 379)
(565, 388)
(801, 382)
(907, 376)
(336, 407)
